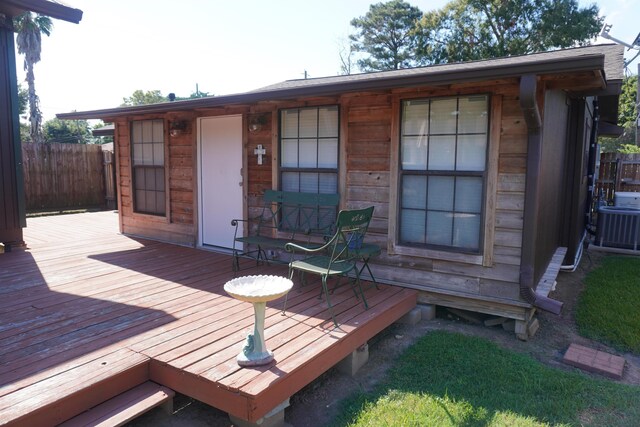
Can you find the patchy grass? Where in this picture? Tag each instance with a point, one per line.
(608, 308)
(448, 379)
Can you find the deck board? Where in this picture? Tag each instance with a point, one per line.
(86, 311)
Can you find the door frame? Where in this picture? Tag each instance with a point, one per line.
(243, 173)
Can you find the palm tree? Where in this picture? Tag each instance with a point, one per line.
(29, 40)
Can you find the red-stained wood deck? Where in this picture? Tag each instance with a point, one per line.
(86, 314)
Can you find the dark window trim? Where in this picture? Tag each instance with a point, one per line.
(134, 167)
(449, 173)
(282, 169)
(335, 171)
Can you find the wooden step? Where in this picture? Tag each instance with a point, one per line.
(58, 393)
(125, 407)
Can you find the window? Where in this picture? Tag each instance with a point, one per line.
(443, 151)
(309, 152)
(147, 145)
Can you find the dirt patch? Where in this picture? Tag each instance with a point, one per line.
(318, 403)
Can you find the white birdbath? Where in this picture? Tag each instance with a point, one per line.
(257, 290)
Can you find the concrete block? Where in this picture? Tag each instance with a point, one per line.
(427, 311)
(351, 364)
(275, 418)
(411, 318)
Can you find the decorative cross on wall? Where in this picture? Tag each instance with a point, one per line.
(260, 151)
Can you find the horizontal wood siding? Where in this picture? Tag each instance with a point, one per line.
(260, 177)
(368, 183)
(367, 120)
(182, 173)
(178, 225)
(368, 151)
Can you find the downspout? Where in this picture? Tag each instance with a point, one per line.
(528, 103)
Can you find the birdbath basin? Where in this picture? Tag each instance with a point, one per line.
(257, 290)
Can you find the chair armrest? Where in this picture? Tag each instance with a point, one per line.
(234, 222)
(292, 247)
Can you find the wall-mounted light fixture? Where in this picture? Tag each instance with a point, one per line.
(176, 127)
(256, 121)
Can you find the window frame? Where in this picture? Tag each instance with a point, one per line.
(484, 254)
(146, 214)
(280, 170)
(299, 169)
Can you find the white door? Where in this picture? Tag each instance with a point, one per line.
(220, 157)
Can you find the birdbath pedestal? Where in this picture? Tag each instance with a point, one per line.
(257, 290)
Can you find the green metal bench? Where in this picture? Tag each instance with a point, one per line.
(286, 217)
(338, 256)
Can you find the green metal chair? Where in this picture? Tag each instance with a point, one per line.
(337, 257)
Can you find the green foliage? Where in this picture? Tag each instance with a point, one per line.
(629, 149)
(613, 145)
(627, 110)
(466, 30)
(23, 100)
(386, 34)
(140, 97)
(194, 95)
(608, 307)
(30, 28)
(68, 131)
(627, 114)
(448, 379)
(25, 137)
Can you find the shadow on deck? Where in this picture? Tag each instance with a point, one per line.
(88, 318)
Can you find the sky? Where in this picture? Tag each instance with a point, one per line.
(222, 46)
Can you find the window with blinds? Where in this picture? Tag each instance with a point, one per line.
(309, 151)
(147, 146)
(443, 146)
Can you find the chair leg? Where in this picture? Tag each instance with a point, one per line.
(262, 256)
(373, 279)
(364, 299)
(326, 293)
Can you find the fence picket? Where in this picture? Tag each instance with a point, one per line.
(618, 172)
(63, 176)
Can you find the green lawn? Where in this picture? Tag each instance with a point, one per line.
(448, 379)
(609, 307)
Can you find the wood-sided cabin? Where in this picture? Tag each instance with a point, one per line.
(12, 201)
(478, 171)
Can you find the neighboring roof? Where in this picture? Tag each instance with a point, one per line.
(106, 130)
(53, 9)
(607, 58)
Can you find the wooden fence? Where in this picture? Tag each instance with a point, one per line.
(63, 176)
(618, 172)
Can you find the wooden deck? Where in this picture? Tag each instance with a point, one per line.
(87, 314)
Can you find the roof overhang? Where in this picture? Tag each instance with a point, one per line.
(107, 130)
(43, 7)
(609, 129)
(435, 75)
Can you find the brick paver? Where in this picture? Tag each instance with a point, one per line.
(595, 361)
